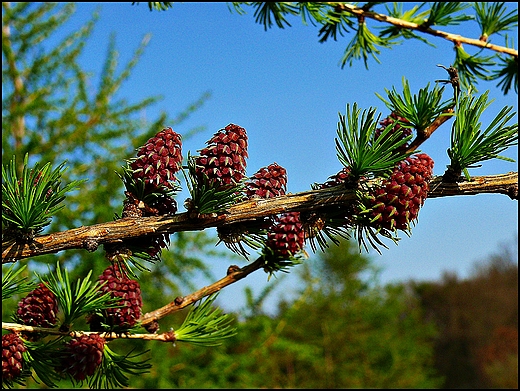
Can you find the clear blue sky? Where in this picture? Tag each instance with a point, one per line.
(286, 89)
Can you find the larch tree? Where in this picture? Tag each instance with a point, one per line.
(64, 325)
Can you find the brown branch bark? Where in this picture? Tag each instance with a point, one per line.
(91, 237)
(506, 184)
(168, 336)
(427, 30)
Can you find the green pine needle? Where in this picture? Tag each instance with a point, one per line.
(420, 110)
(491, 19)
(114, 369)
(363, 44)
(410, 16)
(472, 67)
(273, 264)
(267, 13)
(234, 236)
(138, 187)
(361, 151)
(204, 325)
(469, 144)
(334, 25)
(313, 12)
(507, 72)
(79, 298)
(366, 233)
(43, 359)
(157, 5)
(328, 234)
(12, 284)
(443, 14)
(30, 201)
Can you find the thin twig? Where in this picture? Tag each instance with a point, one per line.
(426, 133)
(234, 274)
(168, 336)
(427, 30)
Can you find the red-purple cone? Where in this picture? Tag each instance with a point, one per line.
(84, 355)
(159, 159)
(129, 293)
(223, 161)
(38, 308)
(268, 182)
(286, 236)
(396, 204)
(12, 356)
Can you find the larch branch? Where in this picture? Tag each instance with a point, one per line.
(168, 336)
(91, 237)
(427, 30)
(234, 274)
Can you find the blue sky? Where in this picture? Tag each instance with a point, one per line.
(286, 89)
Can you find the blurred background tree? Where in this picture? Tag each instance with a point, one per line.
(341, 330)
(477, 319)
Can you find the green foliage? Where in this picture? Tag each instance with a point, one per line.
(204, 325)
(363, 44)
(335, 227)
(311, 12)
(420, 110)
(42, 359)
(157, 5)
(339, 19)
(30, 201)
(138, 187)
(115, 368)
(55, 117)
(491, 19)
(469, 143)
(409, 16)
(366, 233)
(209, 197)
(266, 12)
(79, 298)
(273, 264)
(508, 73)
(471, 67)
(14, 284)
(341, 330)
(444, 14)
(359, 149)
(335, 23)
